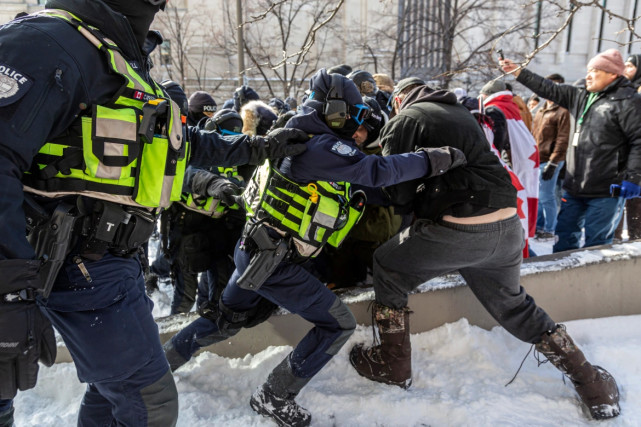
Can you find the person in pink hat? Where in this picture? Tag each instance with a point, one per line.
(604, 153)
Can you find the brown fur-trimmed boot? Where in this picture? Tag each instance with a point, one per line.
(390, 362)
(596, 387)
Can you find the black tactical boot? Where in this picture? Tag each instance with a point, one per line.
(275, 398)
(175, 359)
(596, 387)
(390, 362)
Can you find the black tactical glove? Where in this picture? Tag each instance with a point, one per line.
(224, 190)
(277, 144)
(548, 171)
(26, 335)
(443, 159)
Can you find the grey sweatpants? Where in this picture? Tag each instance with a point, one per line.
(488, 256)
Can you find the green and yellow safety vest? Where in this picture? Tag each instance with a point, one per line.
(110, 160)
(316, 213)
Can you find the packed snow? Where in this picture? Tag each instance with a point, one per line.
(460, 372)
(459, 377)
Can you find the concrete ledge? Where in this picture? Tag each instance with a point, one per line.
(598, 282)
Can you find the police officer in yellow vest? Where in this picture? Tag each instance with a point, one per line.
(294, 209)
(95, 149)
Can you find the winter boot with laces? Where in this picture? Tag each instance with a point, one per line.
(595, 386)
(275, 398)
(390, 362)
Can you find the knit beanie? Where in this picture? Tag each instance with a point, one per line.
(609, 61)
(493, 87)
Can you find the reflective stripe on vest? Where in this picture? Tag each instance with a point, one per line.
(110, 157)
(316, 213)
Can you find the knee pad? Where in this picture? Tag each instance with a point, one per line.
(161, 402)
(346, 322)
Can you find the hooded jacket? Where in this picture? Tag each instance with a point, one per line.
(431, 118)
(332, 158)
(636, 79)
(608, 147)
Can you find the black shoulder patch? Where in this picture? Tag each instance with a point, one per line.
(13, 85)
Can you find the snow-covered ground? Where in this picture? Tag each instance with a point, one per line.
(460, 372)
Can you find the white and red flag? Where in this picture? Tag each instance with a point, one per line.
(524, 155)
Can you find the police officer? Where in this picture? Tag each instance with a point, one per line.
(95, 149)
(295, 208)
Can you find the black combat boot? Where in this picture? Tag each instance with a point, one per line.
(596, 387)
(275, 398)
(390, 362)
(175, 359)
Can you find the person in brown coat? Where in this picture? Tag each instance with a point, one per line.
(551, 130)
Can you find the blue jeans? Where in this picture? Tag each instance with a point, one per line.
(112, 337)
(598, 215)
(547, 214)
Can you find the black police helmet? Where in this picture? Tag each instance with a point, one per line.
(364, 81)
(375, 120)
(225, 122)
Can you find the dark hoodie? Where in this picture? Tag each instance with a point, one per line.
(636, 79)
(430, 118)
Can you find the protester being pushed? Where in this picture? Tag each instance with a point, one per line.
(294, 208)
(467, 222)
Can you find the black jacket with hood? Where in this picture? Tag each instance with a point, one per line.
(608, 149)
(636, 79)
(431, 118)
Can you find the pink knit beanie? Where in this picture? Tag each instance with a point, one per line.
(610, 61)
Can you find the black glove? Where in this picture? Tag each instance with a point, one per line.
(224, 190)
(443, 159)
(548, 171)
(26, 335)
(277, 144)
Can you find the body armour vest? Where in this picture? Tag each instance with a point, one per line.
(207, 205)
(130, 151)
(313, 214)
